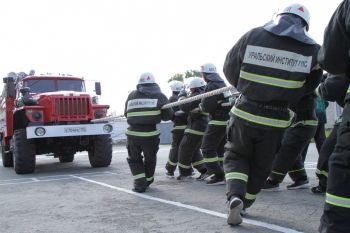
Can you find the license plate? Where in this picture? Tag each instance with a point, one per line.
(75, 130)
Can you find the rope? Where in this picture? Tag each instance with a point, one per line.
(201, 96)
(181, 102)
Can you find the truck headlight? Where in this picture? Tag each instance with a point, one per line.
(37, 116)
(107, 128)
(40, 131)
(98, 114)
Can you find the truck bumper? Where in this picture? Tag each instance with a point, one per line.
(50, 131)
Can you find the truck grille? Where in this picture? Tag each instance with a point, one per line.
(72, 107)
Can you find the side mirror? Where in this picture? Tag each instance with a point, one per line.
(98, 88)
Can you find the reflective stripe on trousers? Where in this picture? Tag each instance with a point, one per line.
(198, 163)
(319, 172)
(139, 176)
(195, 132)
(210, 160)
(236, 176)
(214, 122)
(184, 166)
(172, 163)
(337, 201)
(249, 196)
(180, 127)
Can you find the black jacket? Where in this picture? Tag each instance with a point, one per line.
(271, 72)
(305, 108)
(179, 117)
(334, 88)
(197, 120)
(213, 104)
(143, 108)
(334, 56)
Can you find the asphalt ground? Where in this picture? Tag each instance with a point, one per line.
(74, 197)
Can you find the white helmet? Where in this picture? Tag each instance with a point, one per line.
(12, 75)
(196, 82)
(208, 68)
(299, 10)
(176, 85)
(146, 78)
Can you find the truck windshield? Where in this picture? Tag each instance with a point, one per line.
(70, 85)
(50, 85)
(40, 86)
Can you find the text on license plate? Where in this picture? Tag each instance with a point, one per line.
(75, 130)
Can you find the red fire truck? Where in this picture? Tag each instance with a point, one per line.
(54, 115)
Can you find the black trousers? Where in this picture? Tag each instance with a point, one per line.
(248, 158)
(326, 151)
(177, 136)
(142, 159)
(319, 137)
(212, 148)
(288, 158)
(190, 155)
(335, 218)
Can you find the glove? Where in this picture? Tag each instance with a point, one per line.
(179, 113)
(195, 110)
(232, 100)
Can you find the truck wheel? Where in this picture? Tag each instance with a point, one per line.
(100, 155)
(24, 152)
(7, 157)
(66, 158)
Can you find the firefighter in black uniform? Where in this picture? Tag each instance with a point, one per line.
(143, 112)
(334, 57)
(180, 122)
(332, 89)
(289, 159)
(196, 124)
(271, 66)
(215, 135)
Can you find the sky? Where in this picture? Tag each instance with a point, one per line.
(115, 41)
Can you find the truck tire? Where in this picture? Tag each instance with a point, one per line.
(100, 155)
(66, 158)
(7, 157)
(24, 153)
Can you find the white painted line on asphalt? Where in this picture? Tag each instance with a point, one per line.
(51, 178)
(43, 157)
(195, 208)
(20, 182)
(47, 180)
(114, 152)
